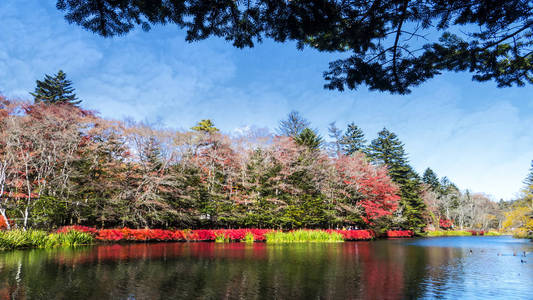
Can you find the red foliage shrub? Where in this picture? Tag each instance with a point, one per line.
(110, 235)
(399, 233)
(259, 234)
(445, 223)
(127, 234)
(140, 235)
(173, 235)
(352, 235)
(200, 235)
(178, 235)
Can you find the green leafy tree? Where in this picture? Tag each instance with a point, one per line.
(309, 138)
(55, 90)
(389, 45)
(353, 139)
(388, 150)
(206, 126)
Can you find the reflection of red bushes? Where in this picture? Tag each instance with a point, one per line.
(381, 278)
(399, 233)
(113, 252)
(477, 232)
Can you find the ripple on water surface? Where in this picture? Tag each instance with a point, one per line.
(385, 269)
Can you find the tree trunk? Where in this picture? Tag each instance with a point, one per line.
(26, 214)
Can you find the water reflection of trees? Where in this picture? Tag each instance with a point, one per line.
(360, 270)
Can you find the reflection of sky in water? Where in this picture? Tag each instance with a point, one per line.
(383, 269)
(492, 270)
(472, 242)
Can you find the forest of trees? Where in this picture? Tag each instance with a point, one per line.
(63, 165)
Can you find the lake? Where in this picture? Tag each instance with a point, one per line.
(384, 269)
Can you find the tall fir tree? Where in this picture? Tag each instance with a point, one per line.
(309, 138)
(388, 150)
(353, 139)
(431, 179)
(55, 90)
(414, 208)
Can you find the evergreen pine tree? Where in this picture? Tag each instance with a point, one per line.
(414, 208)
(446, 187)
(388, 150)
(353, 139)
(206, 126)
(55, 90)
(309, 138)
(431, 179)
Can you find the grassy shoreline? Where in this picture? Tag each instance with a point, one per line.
(81, 235)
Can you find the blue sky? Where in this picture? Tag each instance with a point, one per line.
(479, 136)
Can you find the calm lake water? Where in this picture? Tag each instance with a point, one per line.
(384, 269)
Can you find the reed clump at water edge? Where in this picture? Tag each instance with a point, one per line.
(301, 236)
(23, 239)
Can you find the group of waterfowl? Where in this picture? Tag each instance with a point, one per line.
(514, 254)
